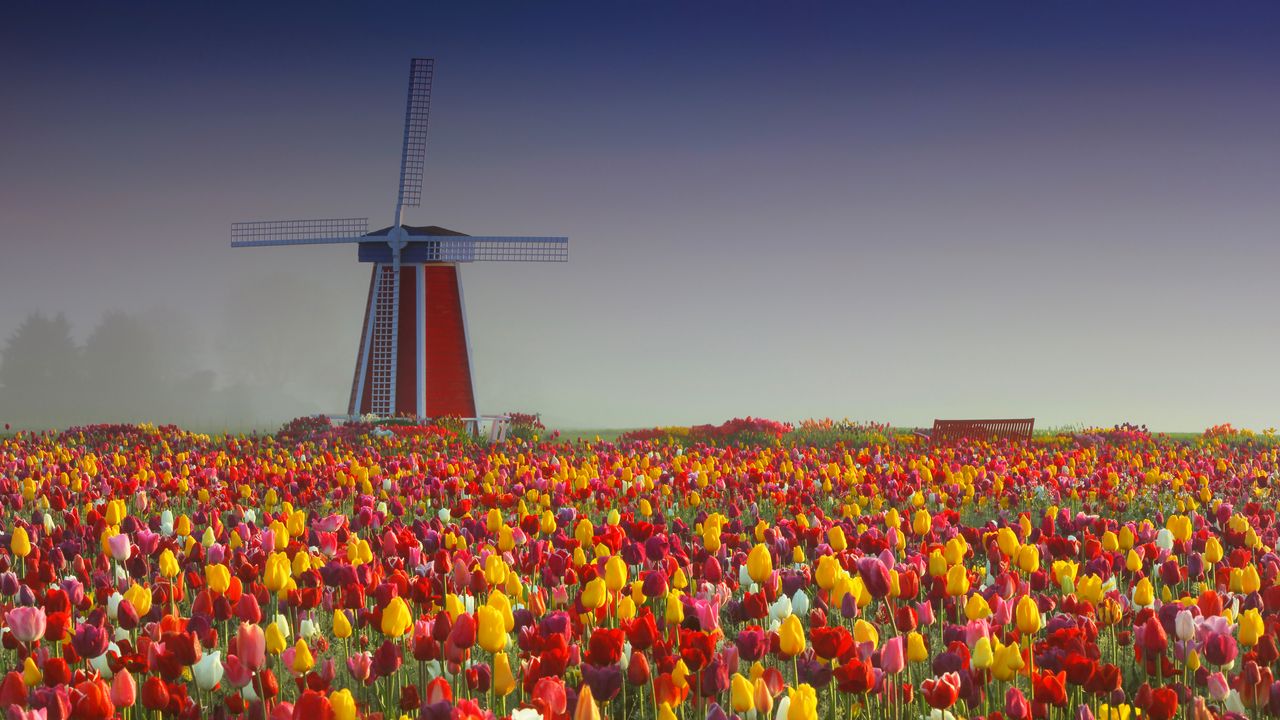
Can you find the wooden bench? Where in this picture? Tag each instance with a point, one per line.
(953, 430)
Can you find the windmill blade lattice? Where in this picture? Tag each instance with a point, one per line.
(264, 233)
(413, 155)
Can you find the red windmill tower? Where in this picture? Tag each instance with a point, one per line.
(414, 356)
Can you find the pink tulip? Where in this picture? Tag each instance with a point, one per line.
(119, 547)
(331, 523)
(124, 691)
(27, 623)
(1217, 687)
(893, 657)
(282, 711)
(974, 630)
(251, 646)
(924, 613)
(236, 673)
(359, 665)
(1016, 705)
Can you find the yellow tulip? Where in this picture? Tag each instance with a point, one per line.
(140, 598)
(982, 656)
(922, 523)
(276, 574)
(1008, 661)
(957, 581)
(1144, 594)
(503, 681)
(760, 563)
(274, 638)
(804, 703)
(31, 675)
(827, 572)
(303, 660)
(1028, 558)
(20, 543)
(343, 704)
(1007, 540)
(836, 538)
(593, 595)
(498, 601)
(791, 636)
(1251, 627)
(675, 609)
(1212, 550)
(1027, 616)
(937, 564)
(916, 650)
(626, 608)
(1133, 561)
(615, 574)
(977, 607)
(1114, 712)
(740, 694)
(341, 625)
(491, 631)
(865, 632)
(1250, 582)
(680, 675)
(169, 564)
(218, 577)
(396, 618)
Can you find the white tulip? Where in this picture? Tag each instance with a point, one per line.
(784, 707)
(1184, 625)
(800, 603)
(101, 664)
(780, 608)
(208, 670)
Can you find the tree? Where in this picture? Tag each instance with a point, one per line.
(39, 373)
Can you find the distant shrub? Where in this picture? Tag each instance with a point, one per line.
(526, 427)
(741, 431)
(828, 433)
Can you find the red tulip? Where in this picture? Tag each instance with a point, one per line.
(155, 694)
(1050, 688)
(312, 705)
(941, 692)
(1164, 704)
(91, 700)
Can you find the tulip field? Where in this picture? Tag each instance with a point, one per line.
(753, 570)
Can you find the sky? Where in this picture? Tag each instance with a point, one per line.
(889, 211)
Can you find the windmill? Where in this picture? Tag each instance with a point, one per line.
(414, 356)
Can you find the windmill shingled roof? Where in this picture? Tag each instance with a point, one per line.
(421, 230)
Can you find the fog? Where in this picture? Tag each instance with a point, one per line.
(268, 355)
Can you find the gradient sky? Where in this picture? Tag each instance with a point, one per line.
(892, 210)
